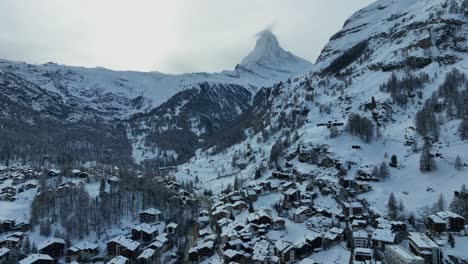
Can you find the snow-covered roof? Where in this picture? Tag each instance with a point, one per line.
(49, 242)
(162, 238)
(151, 211)
(282, 245)
(404, 253)
(4, 251)
(437, 219)
(35, 257)
(422, 241)
(337, 230)
(363, 251)
(447, 214)
(147, 254)
(384, 235)
(290, 191)
(85, 245)
(301, 210)
(125, 242)
(231, 253)
(118, 260)
(171, 225)
(143, 227)
(360, 234)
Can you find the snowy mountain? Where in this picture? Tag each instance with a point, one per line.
(142, 101)
(270, 61)
(389, 83)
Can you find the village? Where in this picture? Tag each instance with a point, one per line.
(285, 218)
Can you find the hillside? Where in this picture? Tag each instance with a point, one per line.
(404, 39)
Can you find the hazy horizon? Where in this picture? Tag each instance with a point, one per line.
(166, 36)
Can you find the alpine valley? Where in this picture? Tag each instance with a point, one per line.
(359, 157)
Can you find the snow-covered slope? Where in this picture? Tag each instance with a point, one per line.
(149, 103)
(408, 39)
(123, 93)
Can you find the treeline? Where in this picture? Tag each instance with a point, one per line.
(401, 90)
(360, 126)
(79, 214)
(347, 58)
(454, 94)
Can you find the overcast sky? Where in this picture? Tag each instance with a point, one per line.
(172, 36)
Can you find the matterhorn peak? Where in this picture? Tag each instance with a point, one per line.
(268, 54)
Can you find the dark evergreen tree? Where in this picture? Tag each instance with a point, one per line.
(392, 207)
(394, 161)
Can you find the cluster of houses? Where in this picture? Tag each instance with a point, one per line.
(146, 242)
(14, 181)
(238, 236)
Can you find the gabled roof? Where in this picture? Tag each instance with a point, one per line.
(125, 242)
(35, 257)
(145, 228)
(4, 251)
(385, 235)
(151, 211)
(50, 241)
(283, 246)
(147, 254)
(118, 260)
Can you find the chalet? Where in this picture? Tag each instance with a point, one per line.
(83, 251)
(262, 252)
(235, 256)
(361, 186)
(9, 189)
(29, 185)
(282, 175)
(234, 245)
(206, 249)
(421, 245)
(292, 195)
(287, 185)
(360, 239)
(54, 247)
(171, 229)
(285, 251)
(123, 246)
(251, 194)
(150, 215)
(279, 223)
(193, 255)
(161, 244)
(315, 240)
(12, 241)
(263, 216)
(7, 197)
(148, 256)
(118, 260)
(362, 254)
(4, 255)
(445, 221)
(37, 259)
(357, 224)
(303, 248)
(144, 233)
(302, 213)
(330, 239)
(53, 173)
(399, 254)
(382, 237)
(352, 209)
(223, 222)
(219, 213)
(239, 206)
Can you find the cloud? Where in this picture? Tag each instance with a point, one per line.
(170, 36)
